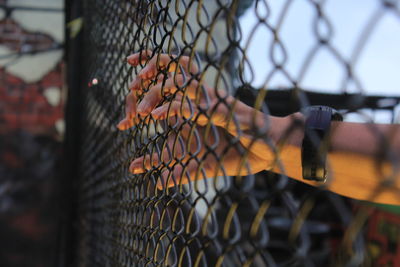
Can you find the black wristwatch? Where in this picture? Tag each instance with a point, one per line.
(315, 144)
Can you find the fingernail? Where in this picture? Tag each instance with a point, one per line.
(157, 113)
(130, 60)
(142, 74)
(142, 108)
(135, 84)
(145, 73)
(136, 169)
(125, 124)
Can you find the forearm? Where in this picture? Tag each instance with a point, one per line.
(361, 158)
(253, 122)
(360, 138)
(356, 163)
(372, 140)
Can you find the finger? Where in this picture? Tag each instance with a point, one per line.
(139, 84)
(130, 105)
(174, 108)
(187, 112)
(149, 101)
(180, 174)
(187, 84)
(125, 124)
(140, 57)
(130, 112)
(172, 63)
(144, 163)
(173, 151)
(157, 92)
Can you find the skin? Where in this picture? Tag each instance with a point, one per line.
(356, 166)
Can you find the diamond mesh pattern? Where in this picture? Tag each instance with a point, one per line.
(204, 196)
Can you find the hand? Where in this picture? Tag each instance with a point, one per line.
(203, 141)
(180, 84)
(210, 113)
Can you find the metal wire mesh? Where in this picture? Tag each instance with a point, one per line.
(204, 193)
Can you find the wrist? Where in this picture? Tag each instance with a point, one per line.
(244, 115)
(288, 130)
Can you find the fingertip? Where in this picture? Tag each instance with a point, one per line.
(125, 124)
(136, 167)
(158, 113)
(143, 109)
(146, 73)
(130, 60)
(134, 85)
(142, 74)
(135, 58)
(130, 113)
(137, 171)
(121, 126)
(143, 113)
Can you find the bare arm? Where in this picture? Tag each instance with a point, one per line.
(363, 163)
(357, 168)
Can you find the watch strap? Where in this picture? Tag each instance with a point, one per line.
(316, 141)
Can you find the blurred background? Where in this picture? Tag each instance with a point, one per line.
(32, 98)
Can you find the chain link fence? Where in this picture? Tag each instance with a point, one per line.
(204, 169)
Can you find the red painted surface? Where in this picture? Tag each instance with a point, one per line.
(23, 105)
(29, 157)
